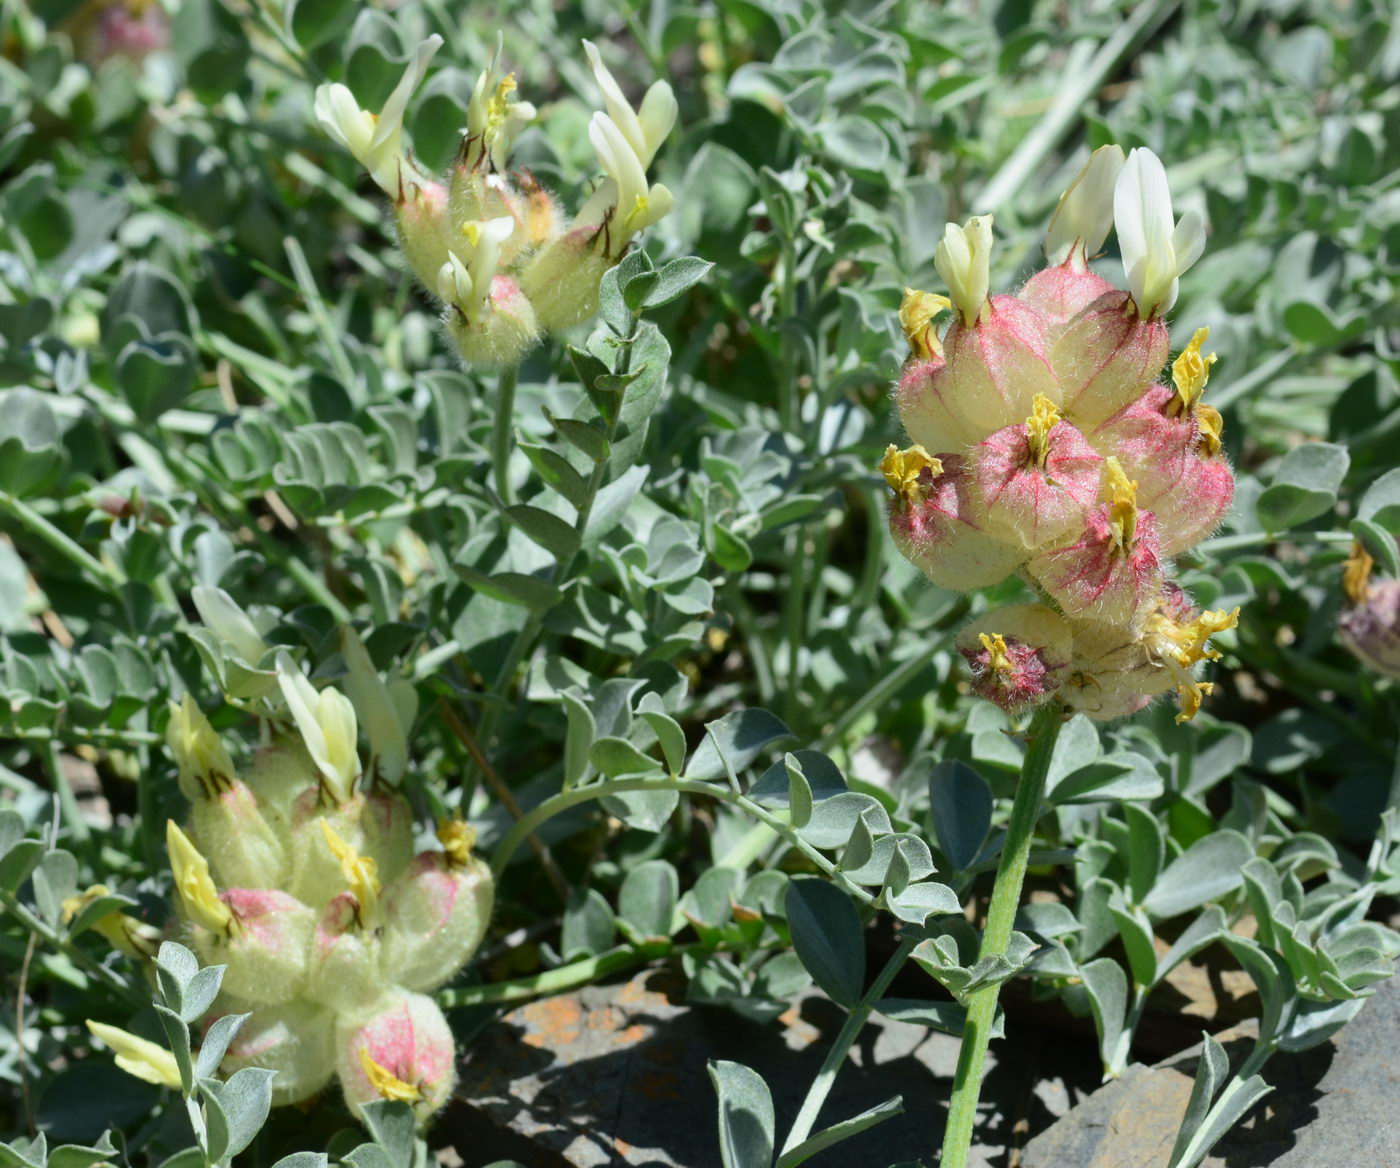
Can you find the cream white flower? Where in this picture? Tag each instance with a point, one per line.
(467, 284)
(1084, 216)
(626, 141)
(222, 616)
(375, 141)
(644, 128)
(1155, 250)
(493, 119)
(963, 259)
(326, 720)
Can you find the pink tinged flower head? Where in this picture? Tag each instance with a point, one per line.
(295, 1040)
(1198, 505)
(1105, 357)
(436, 915)
(1112, 568)
(993, 370)
(267, 954)
(1370, 626)
(928, 520)
(1018, 656)
(1151, 443)
(402, 1050)
(243, 849)
(1035, 482)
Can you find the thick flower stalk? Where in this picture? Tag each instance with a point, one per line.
(490, 242)
(1043, 444)
(298, 873)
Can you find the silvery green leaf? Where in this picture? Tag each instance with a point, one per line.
(745, 1115)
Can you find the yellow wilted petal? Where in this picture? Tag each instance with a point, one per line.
(139, 1057)
(361, 874)
(998, 659)
(457, 838)
(1356, 574)
(902, 468)
(1191, 371)
(916, 315)
(386, 1083)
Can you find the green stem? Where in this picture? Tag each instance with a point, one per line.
(571, 976)
(502, 431)
(37, 525)
(565, 800)
(836, 1056)
(1006, 898)
(1251, 539)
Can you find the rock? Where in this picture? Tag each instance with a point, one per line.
(616, 1075)
(1331, 1107)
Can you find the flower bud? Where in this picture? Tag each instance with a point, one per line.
(267, 948)
(1370, 626)
(326, 721)
(278, 775)
(403, 1050)
(992, 372)
(388, 828)
(420, 214)
(963, 259)
(295, 1040)
(1112, 568)
(204, 764)
(317, 874)
(1084, 215)
(561, 280)
(929, 525)
(1117, 672)
(1018, 655)
(242, 847)
(346, 974)
(1035, 482)
(437, 913)
(1105, 357)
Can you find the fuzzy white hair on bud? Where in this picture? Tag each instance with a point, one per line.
(963, 259)
(375, 141)
(1084, 215)
(1156, 249)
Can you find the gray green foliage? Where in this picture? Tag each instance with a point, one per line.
(664, 656)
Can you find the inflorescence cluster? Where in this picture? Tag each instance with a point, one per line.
(1044, 445)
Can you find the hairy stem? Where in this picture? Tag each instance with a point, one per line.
(1006, 898)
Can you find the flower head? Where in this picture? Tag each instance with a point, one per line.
(494, 117)
(963, 259)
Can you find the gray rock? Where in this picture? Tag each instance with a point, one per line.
(616, 1075)
(1331, 1107)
